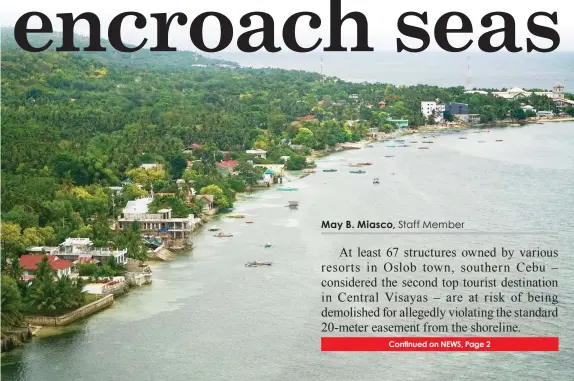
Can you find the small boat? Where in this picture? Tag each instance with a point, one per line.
(428, 142)
(499, 140)
(236, 216)
(293, 203)
(370, 146)
(404, 145)
(462, 137)
(248, 222)
(390, 156)
(287, 189)
(390, 146)
(365, 164)
(222, 235)
(482, 141)
(213, 229)
(423, 147)
(413, 141)
(267, 245)
(376, 180)
(359, 171)
(257, 264)
(329, 170)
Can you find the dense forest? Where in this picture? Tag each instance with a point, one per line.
(75, 124)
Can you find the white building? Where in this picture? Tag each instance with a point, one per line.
(151, 166)
(257, 153)
(160, 222)
(557, 93)
(434, 109)
(77, 249)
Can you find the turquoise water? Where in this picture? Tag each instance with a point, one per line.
(207, 317)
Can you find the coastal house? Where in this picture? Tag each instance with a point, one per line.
(528, 108)
(227, 167)
(29, 264)
(257, 153)
(306, 118)
(80, 249)
(48, 250)
(207, 201)
(400, 124)
(151, 166)
(544, 114)
(160, 222)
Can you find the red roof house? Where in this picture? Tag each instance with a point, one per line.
(29, 263)
(229, 164)
(306, 118)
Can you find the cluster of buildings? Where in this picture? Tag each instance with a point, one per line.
(66, 256)
(436, 110)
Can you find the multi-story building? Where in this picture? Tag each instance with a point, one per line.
(456, 108)
(81, 249)
(433, 109)
(160, 222)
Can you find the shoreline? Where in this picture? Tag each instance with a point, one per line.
(318, 154)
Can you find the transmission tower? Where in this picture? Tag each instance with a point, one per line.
(468, 85)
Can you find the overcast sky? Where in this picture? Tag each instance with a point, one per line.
(382, 17)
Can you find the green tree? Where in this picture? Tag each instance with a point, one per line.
(11, 304)
(220, 200)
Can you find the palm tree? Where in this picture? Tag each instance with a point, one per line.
(11, 314)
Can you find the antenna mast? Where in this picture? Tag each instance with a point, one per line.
(322, 76)
(468, 86)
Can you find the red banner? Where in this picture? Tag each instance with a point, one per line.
(439, 344)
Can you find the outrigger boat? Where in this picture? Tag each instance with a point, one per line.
(293, 204)
(287, 189)
(236, 216)
(462, 137)
(257, 264)
(248, 222)
(222, 235)
(359, 171)
(390, 146)
(423, 147)
(390, 156)
(376, 180)
(365, 164)
(482, 141)
(428, 142)
(329, 170)
(499, 140)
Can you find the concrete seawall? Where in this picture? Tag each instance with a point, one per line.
(68, 318)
